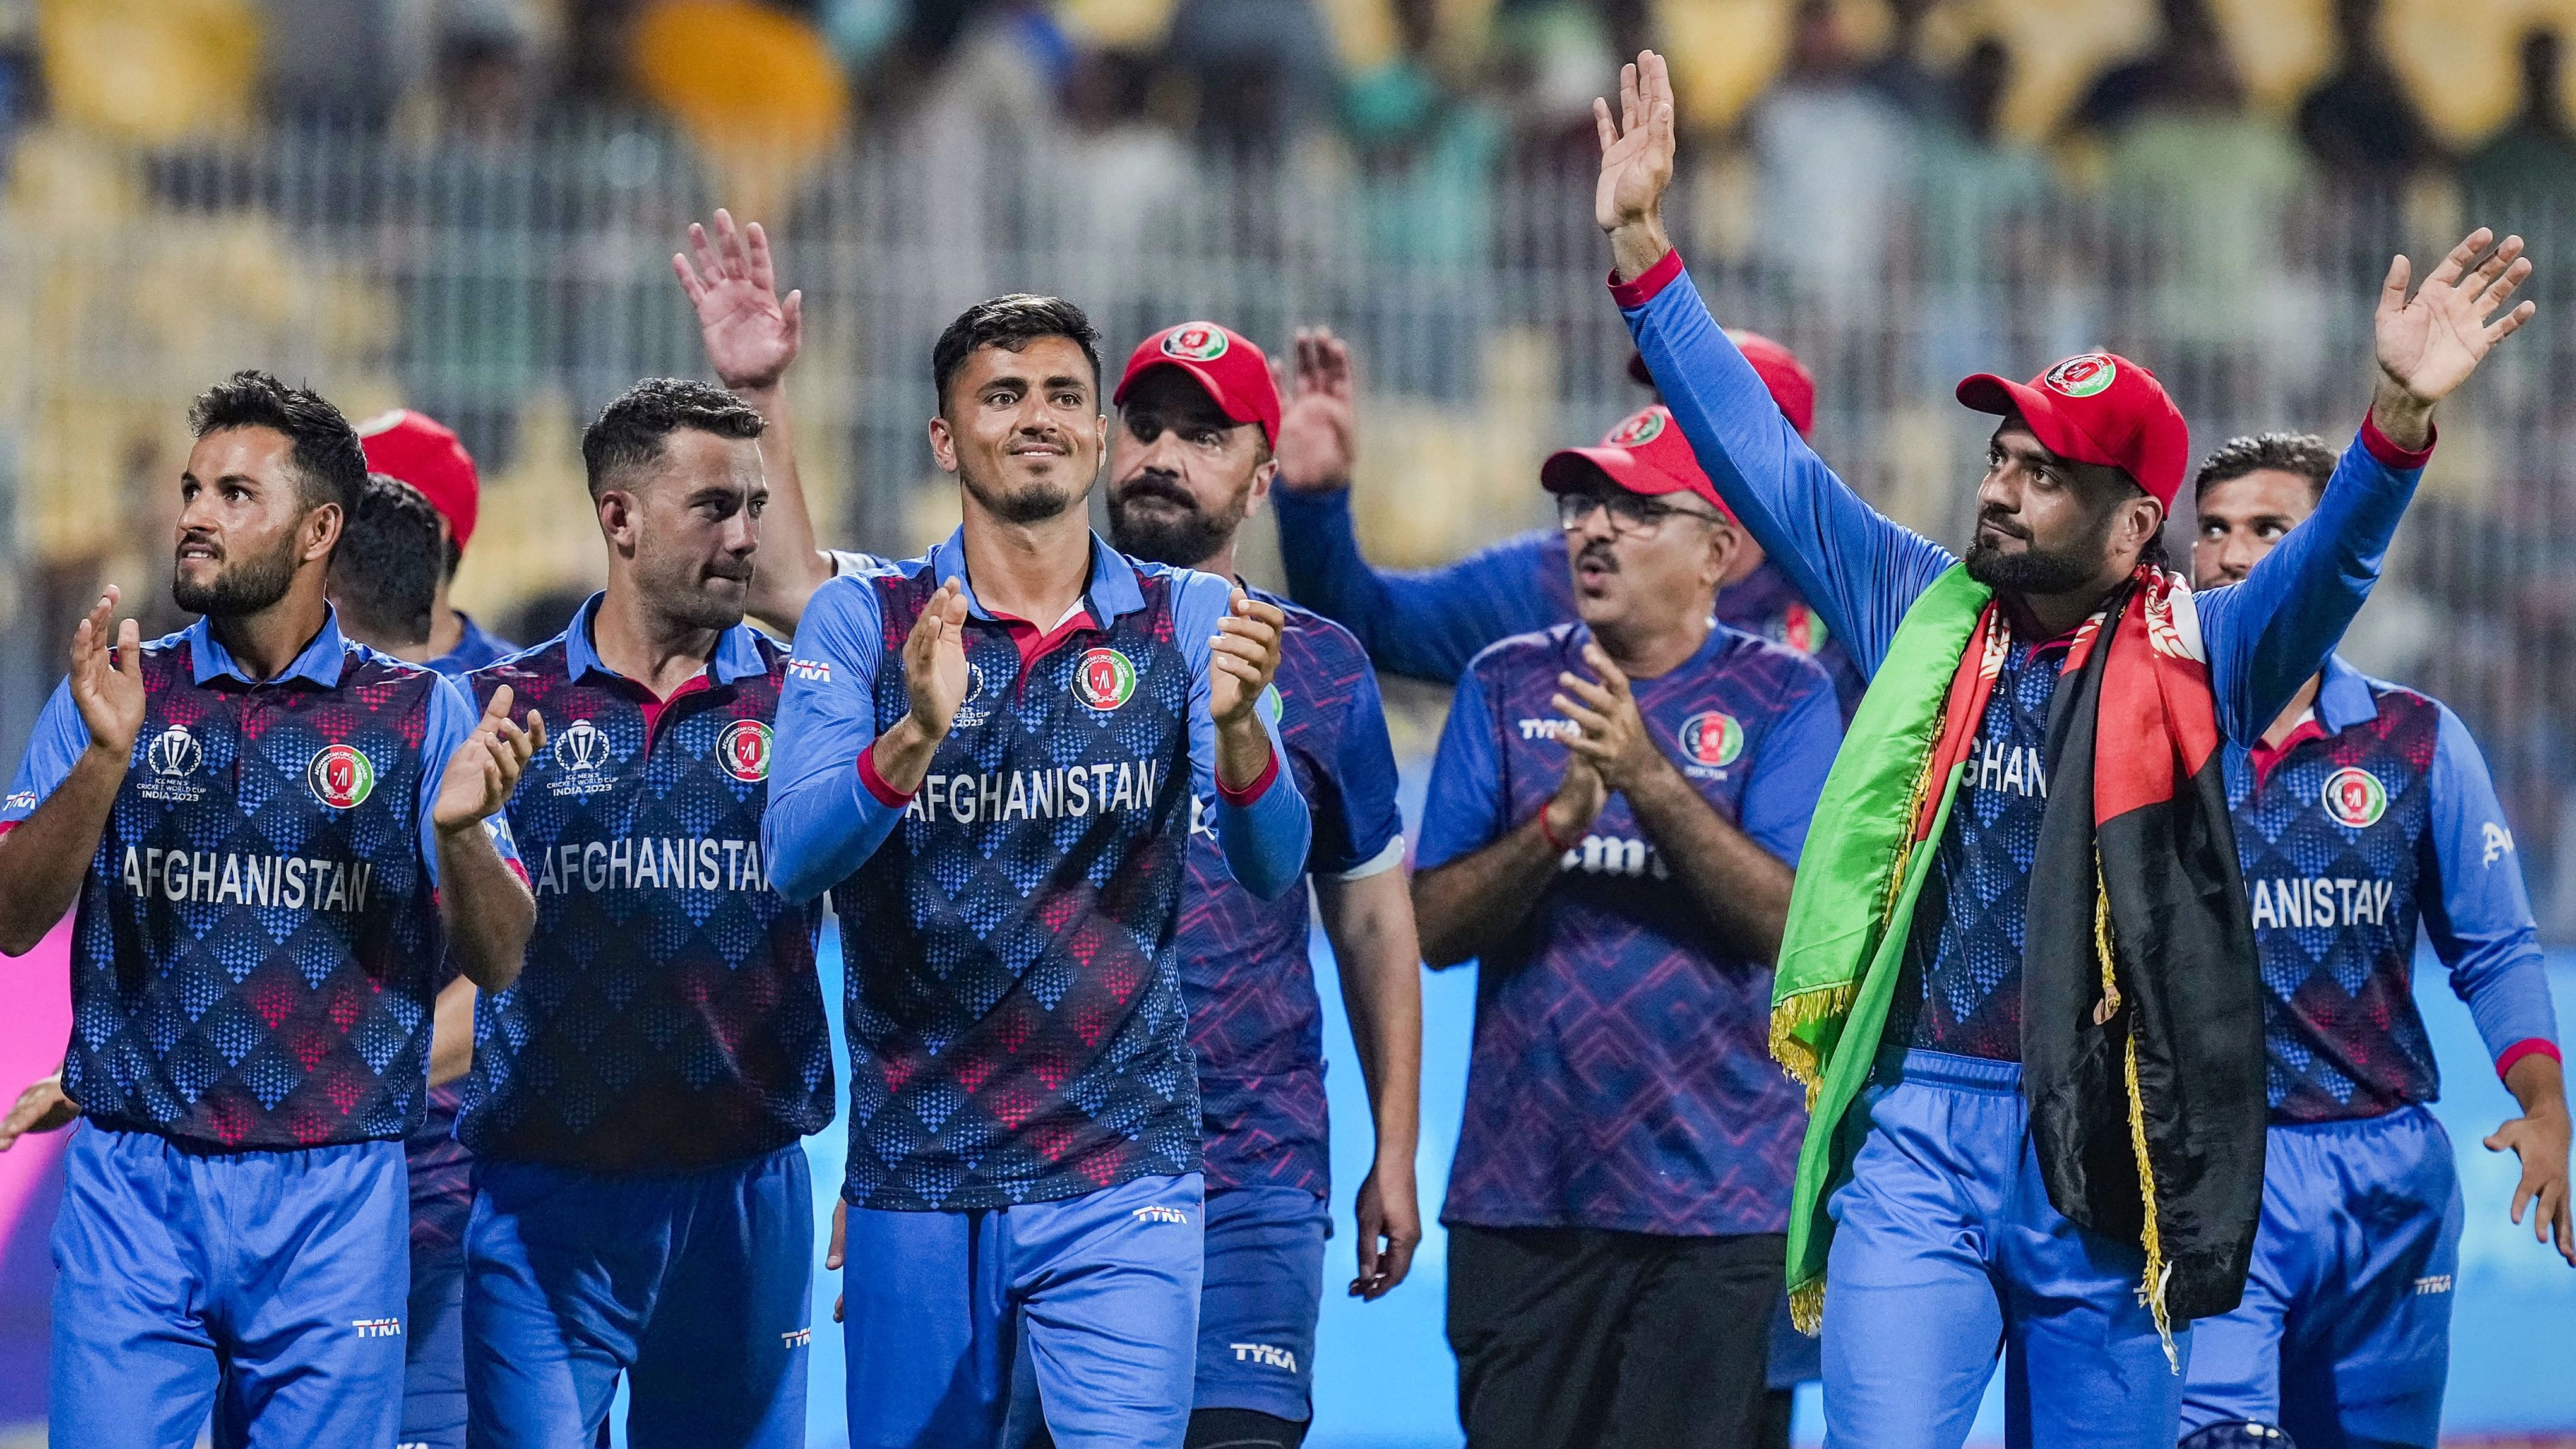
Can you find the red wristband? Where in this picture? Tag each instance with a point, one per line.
(2385, 449)
(1559, 846)
(2528, 1047)
(1649, 283)
(876, 784)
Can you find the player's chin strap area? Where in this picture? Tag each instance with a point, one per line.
(2236, 1434)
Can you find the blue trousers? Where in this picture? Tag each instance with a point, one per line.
(1947, 1254)
(266, 1287)
(2344, 1337)
(964, 1328)
(1260, 1294)
(698, 1286)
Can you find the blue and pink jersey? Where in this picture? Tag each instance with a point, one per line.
(1255, 1022)
(1862, 572)
(1621, 1076)
(2375, 814)
(256, 947)
(1015, 1013)
(1428, 624)
(669, 1017)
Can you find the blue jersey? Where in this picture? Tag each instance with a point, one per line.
(1621, 1076)
(254, 951)
(669, 1017)
(1014, 1005)
(438, 1218)
(1428, 624)
(477, 647)
(1246, 978)
(1862, 572)
(2374, 814)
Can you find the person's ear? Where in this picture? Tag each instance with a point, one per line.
(943, 444)
(321, 530)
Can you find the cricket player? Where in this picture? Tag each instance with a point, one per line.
(642, 1204)
(423, 452)
(1612, 824)
(271, 836)
(2060, 1147)
(2364, 811)
(988, 756)
(1428, 624)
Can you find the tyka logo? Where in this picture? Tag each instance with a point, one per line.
(340, 776)
(743, 750)
(1266, 1355)
(797, 1337)
(377, 1327)
(1157, 1213)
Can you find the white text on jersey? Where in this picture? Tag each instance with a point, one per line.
(292, 881)
(2322, 901)
(651, 863)
(1048, 794)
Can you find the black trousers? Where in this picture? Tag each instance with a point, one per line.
(1572, 1338)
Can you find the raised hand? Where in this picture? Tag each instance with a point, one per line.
(751, 335)
(1318, 429)
(2428, 345)
(486, 768)
(1636, 164)
(1242, 658)
(109, 690)
(934, 661)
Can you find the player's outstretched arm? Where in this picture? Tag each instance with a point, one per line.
(483, 895)
(1370, 924)
(1740, 889)
(2539, 1138)
(1261, 820)
(839, 787)
(1857, 569)
(752, 336)
(2267, 635)
(1425, 624)
(83, 745)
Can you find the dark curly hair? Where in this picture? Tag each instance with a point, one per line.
(629, 432)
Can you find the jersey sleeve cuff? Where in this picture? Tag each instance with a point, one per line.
(2391, 455)
(1254, 791)
(1650, 282)
(2537, 1046)
(875, 784)
(1378, 864)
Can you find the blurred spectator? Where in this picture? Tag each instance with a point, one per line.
(1983, 198)
(1900, 75)
(329, 59)
(1131, 172)
(1264, 69)
(488, 87)
(2533, 159)
(2359, 123)
(1832, 155)
(2188, 69)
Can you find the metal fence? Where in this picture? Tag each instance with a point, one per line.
(512, 289)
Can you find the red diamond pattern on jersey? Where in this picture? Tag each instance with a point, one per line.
(1255, 1022)
(2335, 915)
(1014, 1012)
(251, 968)
(669, 1017)
(1621, 1076)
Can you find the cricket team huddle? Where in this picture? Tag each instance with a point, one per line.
(1892, 964)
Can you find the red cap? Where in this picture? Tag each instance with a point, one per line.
(1791, 385)
(1235, 373)
(1646, 454)
(421, 451)
(2097, 407)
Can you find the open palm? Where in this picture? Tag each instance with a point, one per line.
(751, 334)
(2430, 343)
(1636, 150)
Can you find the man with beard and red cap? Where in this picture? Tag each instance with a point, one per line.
(1611, 829)
(1428, 624)
(2019, 978)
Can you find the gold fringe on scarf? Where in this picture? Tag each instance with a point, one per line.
(2151, 1288)
(1807, 1307)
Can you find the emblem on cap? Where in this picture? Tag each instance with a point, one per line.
(743, 750)
(2355, 798)
(1638, 431)
(340, 776)
(1711, 738)
(1195, 342)
(2082, 376)
(1104, 679)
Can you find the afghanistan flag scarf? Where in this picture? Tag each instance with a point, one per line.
(2142, 1019)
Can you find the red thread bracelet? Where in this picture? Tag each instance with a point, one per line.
(1559, 846)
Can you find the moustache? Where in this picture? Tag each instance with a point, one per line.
(1155, 485)
(2002, 523)
(1599, 555)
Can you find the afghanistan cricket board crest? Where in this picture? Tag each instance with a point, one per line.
(1711, 738)
(2082, 376)
(743, 750)
(1195, 342)
(340, 776)
(1104, 679)
(2355, 798)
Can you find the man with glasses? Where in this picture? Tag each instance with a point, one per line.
(1613, 818)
